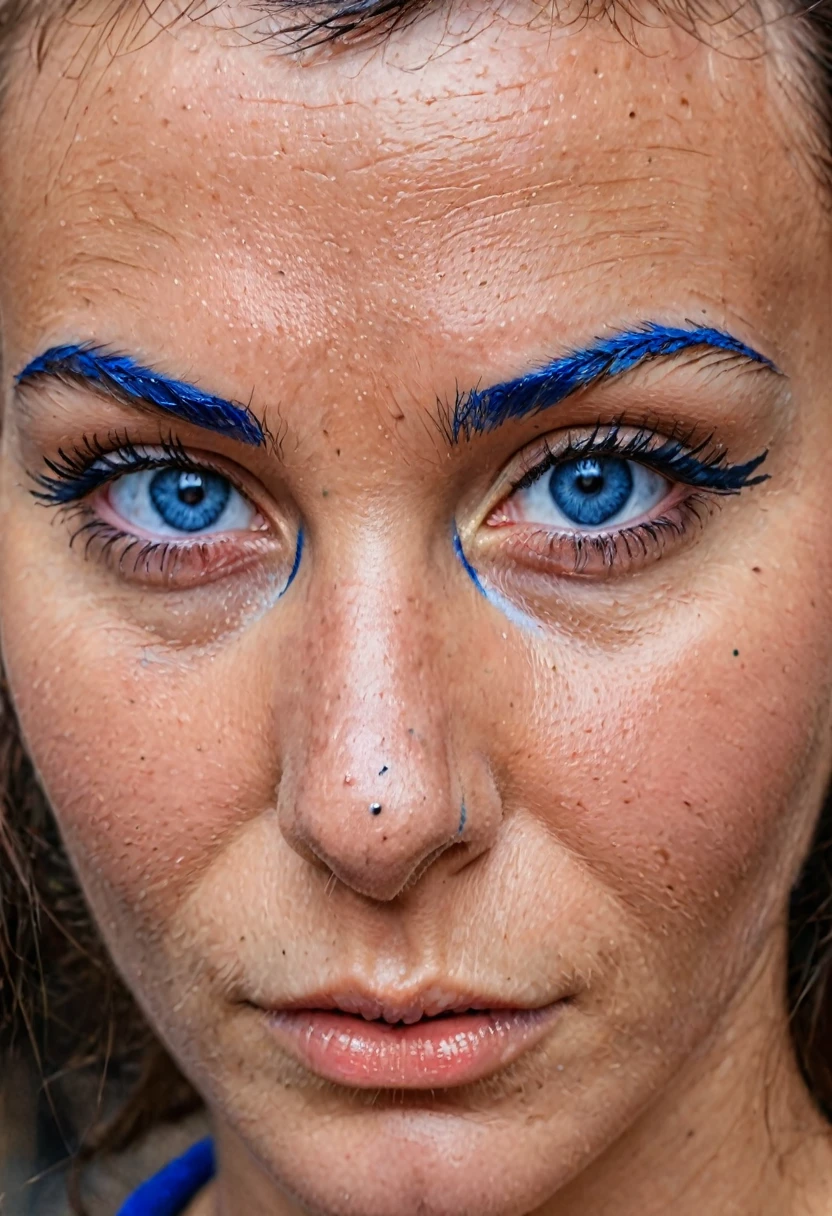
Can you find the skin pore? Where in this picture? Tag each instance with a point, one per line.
(638, 730)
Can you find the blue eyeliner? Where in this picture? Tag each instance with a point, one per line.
(466, 565)
(296, 563)
(486, 409)
(124, 377)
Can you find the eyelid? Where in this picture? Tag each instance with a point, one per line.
(699, 463)
(76, 474)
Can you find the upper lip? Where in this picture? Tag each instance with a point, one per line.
(404, 1007)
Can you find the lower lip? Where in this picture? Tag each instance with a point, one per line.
(436, 1052)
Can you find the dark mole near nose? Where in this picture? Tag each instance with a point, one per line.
(375, 808)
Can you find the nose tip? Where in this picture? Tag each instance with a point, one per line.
(377, 834)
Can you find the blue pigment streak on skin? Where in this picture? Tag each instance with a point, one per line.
(463, 816)
(602, 359)
(466, 565)
(296, 563)
(122, 375)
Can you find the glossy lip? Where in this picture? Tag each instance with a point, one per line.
(368, 1043)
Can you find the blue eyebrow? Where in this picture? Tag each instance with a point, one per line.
(486, 409)
(121, 376)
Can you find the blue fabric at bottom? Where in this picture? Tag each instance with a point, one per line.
(170, 1191)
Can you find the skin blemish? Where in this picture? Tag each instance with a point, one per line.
(463, 816)
(736, 654)
(375, 808)
(385, 768)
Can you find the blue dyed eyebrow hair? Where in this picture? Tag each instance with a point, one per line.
(486, 409)
(121, 377)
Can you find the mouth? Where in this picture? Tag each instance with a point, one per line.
(366, 1043)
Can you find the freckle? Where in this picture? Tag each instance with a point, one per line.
(736, 654)
(325, 493)
(632, 113)
(756, 569)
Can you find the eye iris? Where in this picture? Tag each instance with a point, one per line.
(590, 491)
(187, 500)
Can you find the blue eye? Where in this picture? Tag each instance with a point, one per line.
(187, 500)
(591, 492)
(180, 501)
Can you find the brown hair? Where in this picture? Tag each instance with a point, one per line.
(60, 996)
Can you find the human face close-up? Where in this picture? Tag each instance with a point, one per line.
(416, 592)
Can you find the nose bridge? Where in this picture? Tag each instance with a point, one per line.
(369, 785)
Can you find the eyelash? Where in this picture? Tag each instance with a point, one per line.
(75, 474)
(678, 457)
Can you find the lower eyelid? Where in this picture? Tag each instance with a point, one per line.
(531, 549)
(157, 562)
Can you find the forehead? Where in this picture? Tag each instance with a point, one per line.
(491, 195)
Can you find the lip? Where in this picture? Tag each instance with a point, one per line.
(368, 1044)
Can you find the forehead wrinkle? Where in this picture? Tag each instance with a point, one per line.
(402, 178)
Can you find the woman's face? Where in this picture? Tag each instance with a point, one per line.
(367, 691)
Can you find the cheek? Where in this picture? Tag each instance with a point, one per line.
(688, 763)
(150, 757)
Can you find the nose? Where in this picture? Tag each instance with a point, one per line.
(376, 781)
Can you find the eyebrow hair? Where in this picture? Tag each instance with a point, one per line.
(326, 21)
(120, 376)
(486, 409)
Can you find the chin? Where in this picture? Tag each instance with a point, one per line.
(409, 1163)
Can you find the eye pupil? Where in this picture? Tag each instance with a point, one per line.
(589, 479)
(191, 489)
(188, 500)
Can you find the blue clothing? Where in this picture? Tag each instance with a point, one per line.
(170, 1191)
